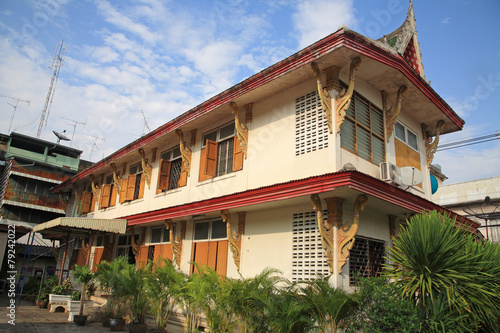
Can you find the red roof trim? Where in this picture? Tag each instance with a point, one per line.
(341, 38)
(303, 187)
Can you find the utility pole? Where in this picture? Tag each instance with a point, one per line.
(75, 123)
(57, 63)
(15, 108)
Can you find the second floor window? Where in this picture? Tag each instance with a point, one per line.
(132, 187)
(108, 193)
(169, 174)
(221, 153)
(363, 130)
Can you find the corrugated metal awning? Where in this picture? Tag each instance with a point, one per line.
(78, 225)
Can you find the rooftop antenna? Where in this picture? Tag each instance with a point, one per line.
(57, 63)
(492, 213)
(75, 123)
(94, 144)
(15, 108)
(145, 124)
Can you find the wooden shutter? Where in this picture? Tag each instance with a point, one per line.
(163, 251)
(237, 155)
(163, 175)
(211, 161)
(123, 190)
(221, 266)
(97, 257)
(86, 202)
(112, 199)
(142, 258)
(81, 258)
(200, 254)
(203, 161)
(183, 177)
(130, 187)
(141, 186)
(105, 196)
(92, 202)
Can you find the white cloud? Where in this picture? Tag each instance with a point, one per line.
(315, 19)
(446, 20)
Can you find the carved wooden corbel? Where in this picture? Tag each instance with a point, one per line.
(136, 245)
(146, 167)
(343, 99)
(248, 113)
(233, 237)
(193, 137)
(347, 232)
(185, 152)
(116, 178)
(153, 155)
(325, 230)
(392, 114)
(85, 246)
(332, 77)
(324, 96)
(241, 129)
(430, 145)
(96, 191)
(241, 222)
(175, 241)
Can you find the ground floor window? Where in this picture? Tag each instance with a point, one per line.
(210, 246)
(366, 258)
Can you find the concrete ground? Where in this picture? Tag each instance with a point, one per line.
(30, 318)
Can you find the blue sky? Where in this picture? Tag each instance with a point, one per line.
(164, 57)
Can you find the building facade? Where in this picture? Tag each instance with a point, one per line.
(309, 167)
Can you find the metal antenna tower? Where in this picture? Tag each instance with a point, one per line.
(145, 124)
(75, 123)
(94, 144)
(57, 63)
(15, 108)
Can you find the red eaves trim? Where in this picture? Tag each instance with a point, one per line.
(341, 38)
(298, 188)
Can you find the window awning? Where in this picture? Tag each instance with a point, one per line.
(77, 225)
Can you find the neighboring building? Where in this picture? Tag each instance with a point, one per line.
(30, 167)
(249, 178)
(478, 200)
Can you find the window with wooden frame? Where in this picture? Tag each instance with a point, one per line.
(406, 148)
(221, 153)
(365, 259)
(362, 131)
(210, 245)
(124, 247)
(160, 247)
(108, 193)
(88, 200)
(132, 187)
(170, 170)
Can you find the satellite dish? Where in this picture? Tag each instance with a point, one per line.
(410, 176)
(61, 136)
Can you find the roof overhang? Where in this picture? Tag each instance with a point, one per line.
(345, 184)
(77, 226)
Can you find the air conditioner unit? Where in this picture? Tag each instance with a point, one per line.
(390, 173)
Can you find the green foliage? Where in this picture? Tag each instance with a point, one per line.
(108, 278)
(331, 307)
(132, 280)
(381, 308)
(76, 295)
(447, 273)
(83, 274)
(63, 288)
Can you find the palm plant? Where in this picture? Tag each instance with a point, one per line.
(161, 287)
(189, 296)
(132, 280)
(108, 275)
(83, 274)
(330, 306)
(434, 260)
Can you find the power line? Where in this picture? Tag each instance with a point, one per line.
(469, 141)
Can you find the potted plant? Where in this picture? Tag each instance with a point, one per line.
(43, 299)
(60, 294)
(133, 282)
(82, 274)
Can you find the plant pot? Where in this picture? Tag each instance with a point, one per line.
(116, 324)
(79, 320)
(137, 328)
(42, 304)
(105, 322)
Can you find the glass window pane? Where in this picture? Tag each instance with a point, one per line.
(156, 235)
(98, 241)
(166, 235)
(201, 230)
(175, 174)
(378, 150)
(212, 136)
(225, 158)
(227, 131)
(123, 240)
(166, 155)
(364, 144)
(400, 132)
(347, 135)
(412, 140)
(218, 229)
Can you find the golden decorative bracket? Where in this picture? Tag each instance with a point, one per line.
(332, 77)
(85, 247)
(392, 114)
(95, 189)
(343, 99)
(241, 129)
(325, 230)
(146, 167)
(430, 145)
(135, 245)
(248, 113)
(347, 232)
(324, 96)
(185, 152)
(116, 178)
(175, 241)
(233, 237)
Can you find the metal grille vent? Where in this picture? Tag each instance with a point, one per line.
(308, 253)
(365, 259)
(311, 130)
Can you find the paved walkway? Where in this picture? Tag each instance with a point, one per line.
(30, 318)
